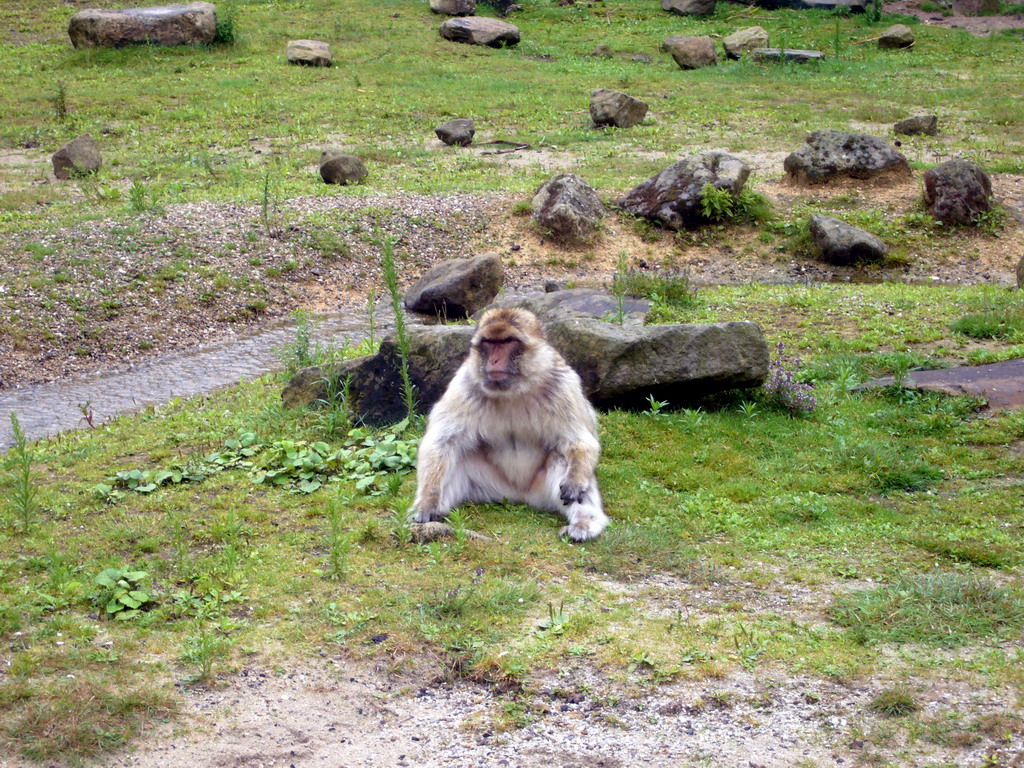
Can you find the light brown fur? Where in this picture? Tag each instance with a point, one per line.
(514, 424)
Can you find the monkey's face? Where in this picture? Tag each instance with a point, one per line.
(500, 361)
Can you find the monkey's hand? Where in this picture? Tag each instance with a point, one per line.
(425, 516)
(571, 493)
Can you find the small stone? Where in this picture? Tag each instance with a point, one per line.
(609, 107)
(896, 36)
(692, 52)
(78, 157)
(927, 125)
(453, 7)
(456, 133)
(309, 53)
(795, 55)
(844, 244)
(339, 168)
(744, 41)
(689, 7)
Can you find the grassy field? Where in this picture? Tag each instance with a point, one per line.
(211, 124)
(876, 541)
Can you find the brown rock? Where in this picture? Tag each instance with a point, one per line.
(78, 157)
(692, 52)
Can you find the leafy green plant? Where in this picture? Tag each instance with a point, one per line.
(227, 13)
(721, 205)
(24, 496)
(137, 197)
(669, 287)
(60, 102)
(122, 593)
(202, 650)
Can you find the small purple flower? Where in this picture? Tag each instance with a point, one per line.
(782, 387)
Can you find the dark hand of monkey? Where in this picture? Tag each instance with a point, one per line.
(571, 492)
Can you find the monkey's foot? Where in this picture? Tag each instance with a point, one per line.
(585, 528)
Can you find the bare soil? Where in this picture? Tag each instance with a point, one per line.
(976, 25)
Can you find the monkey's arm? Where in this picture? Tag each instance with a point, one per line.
(581, 450)
(440, 454)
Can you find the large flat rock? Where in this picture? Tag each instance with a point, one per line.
(1001, 385)
(191, 24)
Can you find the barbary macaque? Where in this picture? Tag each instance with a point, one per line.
(513, 424)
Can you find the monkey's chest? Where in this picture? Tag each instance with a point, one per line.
(520, 458)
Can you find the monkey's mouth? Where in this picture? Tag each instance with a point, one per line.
(498, 380)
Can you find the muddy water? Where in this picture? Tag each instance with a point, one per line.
(46, 409)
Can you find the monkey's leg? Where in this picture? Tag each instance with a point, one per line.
(584, 513)
(448, 481)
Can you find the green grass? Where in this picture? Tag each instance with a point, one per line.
(942, 609)
(729, 498)
(185, 122)
(915, 492)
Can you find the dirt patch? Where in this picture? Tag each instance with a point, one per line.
(976, 25)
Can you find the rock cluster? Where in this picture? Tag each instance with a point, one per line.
(620, 365)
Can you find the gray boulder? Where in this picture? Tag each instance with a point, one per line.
(744, 41)
(692, 52)
(896, 36)
(374, 384)
(623, 365)
(78, 157)
(844, 244)
(456, 133)
(480, 30)
(830, 154)
(568, 209)
(457, 288)
(618, 109)
(619, 365)
(927, 125)
(453, 7)
(794, 55)
(673, 197)
(309, 53)
(689, 7)
(560, 304)
(957, 191)
(191, 24)
(339, 168)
